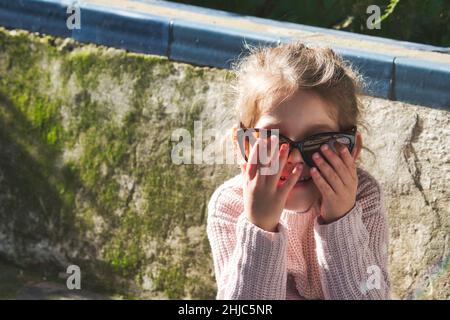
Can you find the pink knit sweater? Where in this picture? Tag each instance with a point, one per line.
(346, 259)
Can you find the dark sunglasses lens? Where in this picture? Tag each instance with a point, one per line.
(283, 140)
(313, 145)
(248, 141)
(248, 138)
(308, 153)
(339, 142)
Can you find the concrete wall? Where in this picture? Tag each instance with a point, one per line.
(86, 175)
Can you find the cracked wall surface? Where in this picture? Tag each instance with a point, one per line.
(412, 163)
(86, 175)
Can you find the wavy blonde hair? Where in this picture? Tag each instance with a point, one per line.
(269, 75)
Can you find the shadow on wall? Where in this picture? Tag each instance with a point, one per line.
(39, 227)
(85, 168)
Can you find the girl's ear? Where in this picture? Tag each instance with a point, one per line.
(358, 146)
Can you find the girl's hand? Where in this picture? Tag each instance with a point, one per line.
(264, 195)
(337, 182)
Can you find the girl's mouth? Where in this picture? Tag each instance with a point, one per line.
(302, 181)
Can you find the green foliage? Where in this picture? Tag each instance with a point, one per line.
(390, 9)
(171, 280)
(424, 21)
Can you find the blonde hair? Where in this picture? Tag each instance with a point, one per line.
(269, 75)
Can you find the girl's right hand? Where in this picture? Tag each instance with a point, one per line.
(264, 195)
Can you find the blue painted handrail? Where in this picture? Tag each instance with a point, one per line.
(392, 77)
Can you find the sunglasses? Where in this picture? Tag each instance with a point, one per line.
(308, 146)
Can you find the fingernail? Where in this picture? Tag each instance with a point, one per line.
(316, 155)
(324, 147)
(313, 170)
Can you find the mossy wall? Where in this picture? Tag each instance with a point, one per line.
(86, 175)
(85, 170)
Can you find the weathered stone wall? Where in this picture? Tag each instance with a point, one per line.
(86, 175)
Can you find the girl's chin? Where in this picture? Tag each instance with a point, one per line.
(298, 207)
(300, 202)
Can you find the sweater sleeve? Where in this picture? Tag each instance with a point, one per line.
(249, 262)
(352, 252)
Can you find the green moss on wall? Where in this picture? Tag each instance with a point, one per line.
(172, 281)
(103, 192)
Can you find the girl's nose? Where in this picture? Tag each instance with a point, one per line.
(295, 157)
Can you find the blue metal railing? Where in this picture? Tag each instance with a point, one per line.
(412, 80)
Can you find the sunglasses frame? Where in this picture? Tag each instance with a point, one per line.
(351, 134)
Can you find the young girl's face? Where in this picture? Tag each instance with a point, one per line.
(304, 114)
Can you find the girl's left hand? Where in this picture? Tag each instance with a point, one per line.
(337, 182)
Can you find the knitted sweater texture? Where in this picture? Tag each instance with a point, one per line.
(345, 259)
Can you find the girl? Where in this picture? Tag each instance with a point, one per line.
(317, 228)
